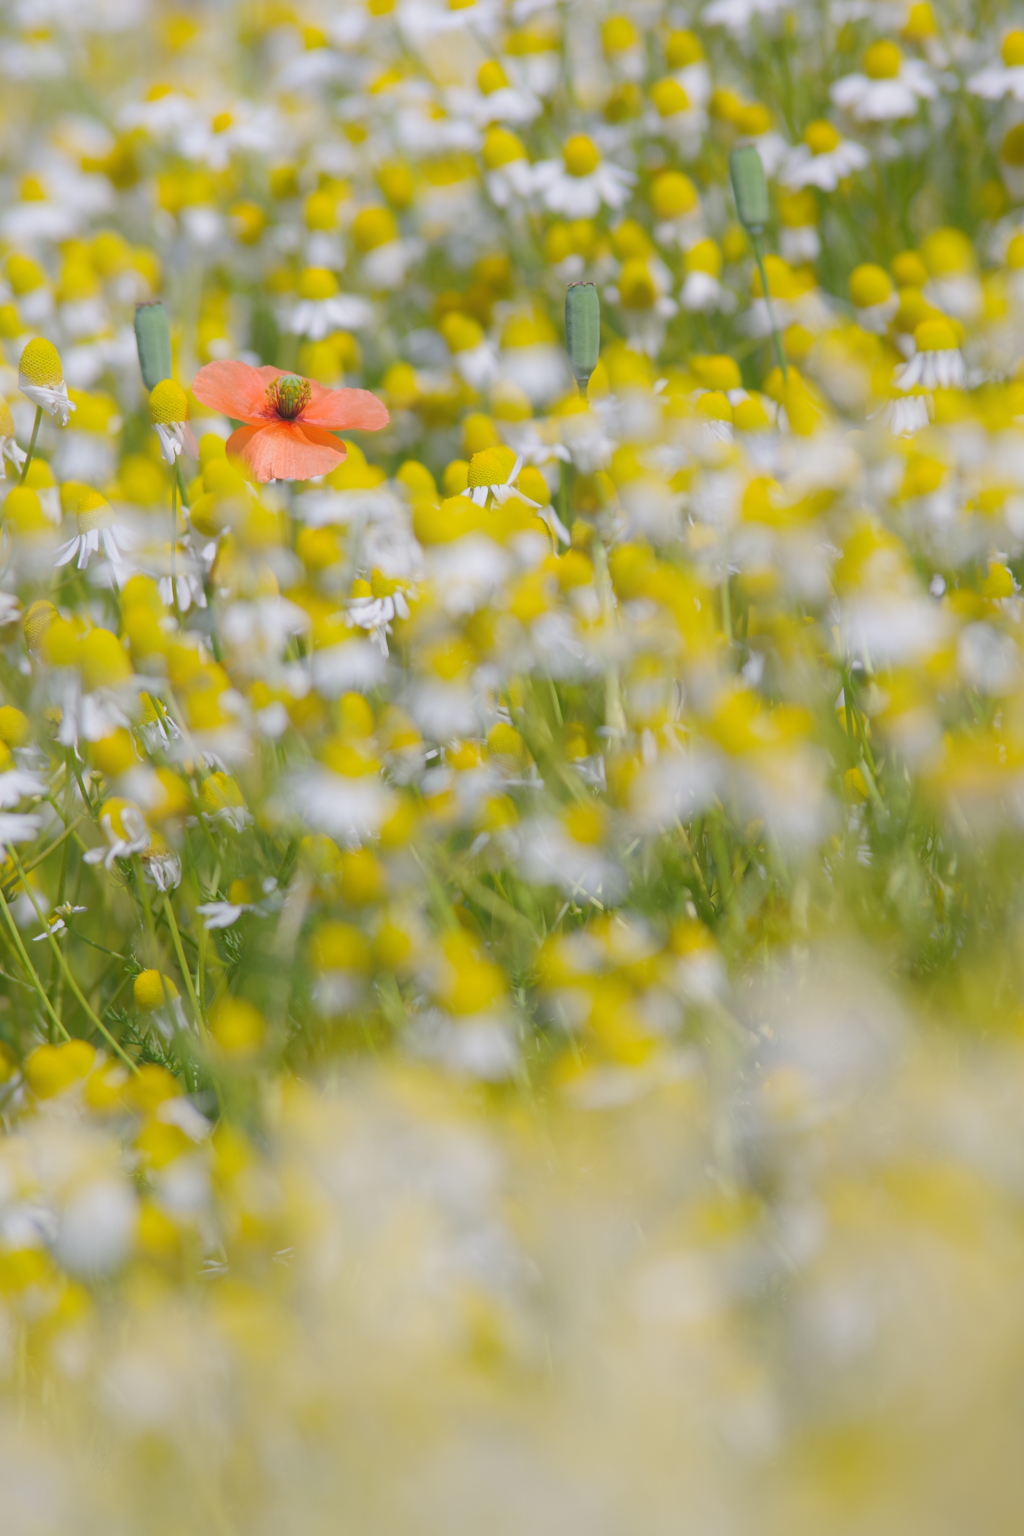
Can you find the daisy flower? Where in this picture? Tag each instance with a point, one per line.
(874, 297)
(1006, 79)
(41, 378)
(96, 529)
(702, 291)
(492, 472)
(496, 100)
(322, 309)
(890, 87)
(290, 421)
(684, 56)
(823, 160)
(509, 174)
(581, 182)
(675, 116)
(937, 362)
(373, 607)
(124, 827)
(168, 412)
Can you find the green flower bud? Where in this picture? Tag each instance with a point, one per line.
(153, 338)
(582, 329)
(749, 187)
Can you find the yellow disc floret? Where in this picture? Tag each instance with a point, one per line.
(168, 403)
(491, 467)
(820, 137)
(936, 335)
(870, 285)
(153, 989)
(1013, 49)
(318, 283)
(40, 363)
(581, 155)
(882, 61)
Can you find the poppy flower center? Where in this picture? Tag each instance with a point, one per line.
(288, 394)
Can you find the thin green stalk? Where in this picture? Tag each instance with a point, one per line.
(31, 444)
(28, 967)
(186, 974)
(72, 983)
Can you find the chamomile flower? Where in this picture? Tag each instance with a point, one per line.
(823, 160)
(373, 606)
(581, 181)
(509, 174)
(497, 99)
(874, 297)
(889, 87)
(1005, 79)
(168, 412)
(937, 362)
(492, 473)
(41, 378)
(125, 830)
(676, 117)
(97, 529)
(703, 291)
(322, 309)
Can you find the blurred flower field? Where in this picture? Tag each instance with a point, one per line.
(511, 767)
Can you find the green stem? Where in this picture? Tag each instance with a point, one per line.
(69, 978)
(28, 967)
(32, 444)
(186, 974)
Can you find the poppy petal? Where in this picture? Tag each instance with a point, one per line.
(236, 390)
(282, 451)
(346, 410)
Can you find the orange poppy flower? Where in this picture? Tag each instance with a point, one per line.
(289, 421)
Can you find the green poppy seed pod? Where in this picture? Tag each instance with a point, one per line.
(153, 339)
(749, 187)
(582, 329)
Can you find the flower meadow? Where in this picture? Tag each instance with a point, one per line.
(511, 767)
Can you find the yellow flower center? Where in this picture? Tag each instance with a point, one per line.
(93, 512)
(501, 147)
(373, 227)
(152, 990)
(673, 195)
(1013, 49)
(40, 363)
(318, 283)
(581, 155)
(935, 335)
(882, 61)
(682, 49)
(669, 97)
(870, 285)
(705, 256)
(492, 466)
(491, 77)
(821, 138)
(168, 403)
